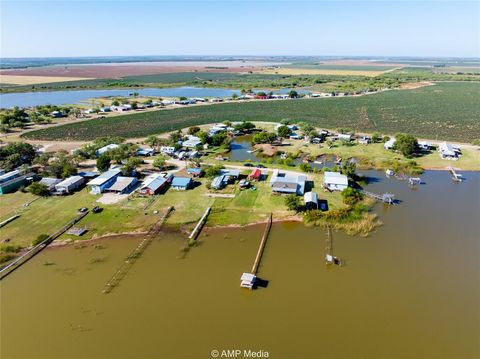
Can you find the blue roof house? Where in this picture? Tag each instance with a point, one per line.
(181, 183)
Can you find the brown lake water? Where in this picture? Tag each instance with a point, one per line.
(410, 290)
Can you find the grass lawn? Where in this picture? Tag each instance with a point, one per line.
(46, 215)
(376, 155)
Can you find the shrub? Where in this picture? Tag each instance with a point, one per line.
(40, 239)
(293, 202)
(38, 189)
(351, 196)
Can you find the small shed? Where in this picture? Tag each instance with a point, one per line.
(247, 280)
(311, 200)
(181, 183)
(256, 175)
(50, 182)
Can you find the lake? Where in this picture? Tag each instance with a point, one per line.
(410, 290)
(28, 99)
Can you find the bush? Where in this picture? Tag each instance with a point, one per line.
(103, 162)
(351, 196)
(40, 239)
(38, 189)
(293, 202)
(305, 167)
(213, 171)
(284, 131)
(264, 137)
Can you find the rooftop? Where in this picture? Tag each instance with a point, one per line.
(104, 177)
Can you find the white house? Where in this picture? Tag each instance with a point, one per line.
(167, 150)
(335, 181)
(449, 151)
(192, 142)
(106, 148)
(389, 144)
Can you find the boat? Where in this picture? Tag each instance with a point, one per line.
(389, 172)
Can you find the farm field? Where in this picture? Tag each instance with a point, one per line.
(324, 71)
(34, 80)
(445, 111)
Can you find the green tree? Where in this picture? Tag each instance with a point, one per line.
(376, 137)
(193, 130)
(38, 189)
(405, 144)
(16, 154)
(264, 137)
(293, 202)
(159, 162)
(130, 167)
(103, 162)
(293, 94)
(284, 131)
(213, 171)
(349, 169)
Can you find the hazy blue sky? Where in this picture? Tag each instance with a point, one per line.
(385, 28)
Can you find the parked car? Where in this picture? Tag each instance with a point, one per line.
(83, 210)
(248, 165)
(97, 209)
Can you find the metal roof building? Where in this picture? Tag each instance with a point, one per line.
(335, 181)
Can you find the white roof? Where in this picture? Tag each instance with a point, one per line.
(335, 178)
(311, 197)
(107, 148)
(69, 181)
(249, 277)
(104, 177)
(390, 143)
(122, 183)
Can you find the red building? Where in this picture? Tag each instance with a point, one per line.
(255, 175)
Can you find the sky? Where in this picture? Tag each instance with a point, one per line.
(323, 28)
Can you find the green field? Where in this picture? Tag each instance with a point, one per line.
(447, 111)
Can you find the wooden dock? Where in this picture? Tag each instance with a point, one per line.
(39, 247)
(258, 258)
(200, 224)
(457, 177)
(135, 254)
(388, 198)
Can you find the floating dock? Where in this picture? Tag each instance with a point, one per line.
(247, 280)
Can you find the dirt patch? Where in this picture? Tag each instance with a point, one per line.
(22, 79)
(118, 71)
(415, 85)
(112, 198)
(267, 149)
